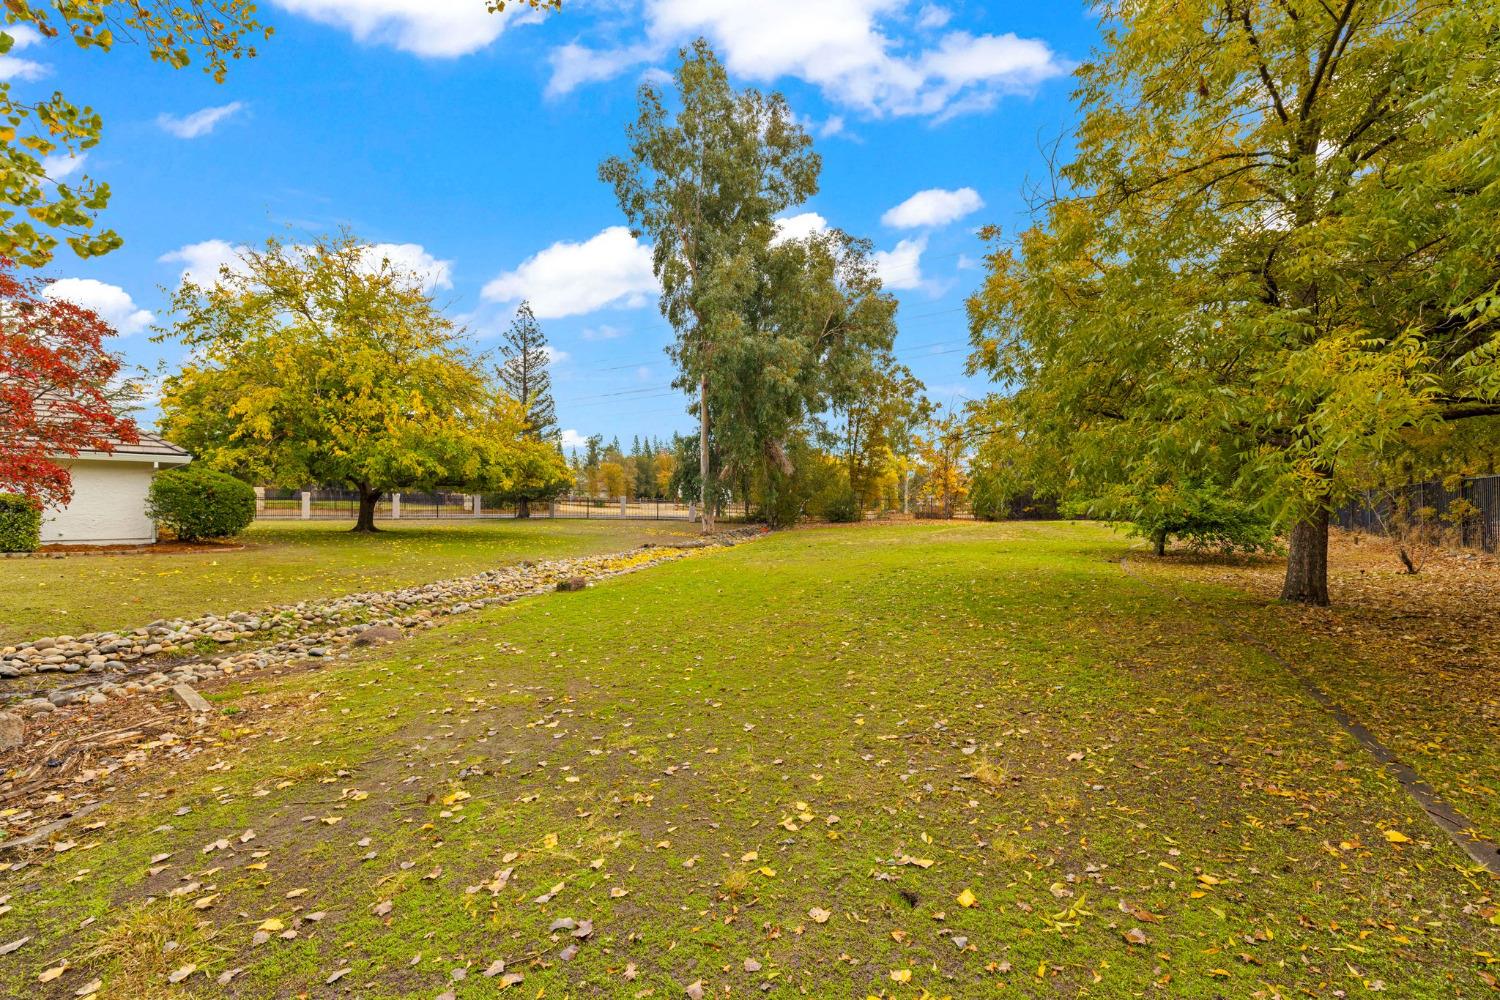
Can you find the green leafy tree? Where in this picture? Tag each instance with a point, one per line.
(318, 365)
(1275, 246)
(705, 184)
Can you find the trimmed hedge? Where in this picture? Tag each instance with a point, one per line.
(20, 523)
(196, 502)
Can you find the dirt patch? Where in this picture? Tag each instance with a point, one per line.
(166, 548)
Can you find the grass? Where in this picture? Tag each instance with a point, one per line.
(284, 563)
(789, 765)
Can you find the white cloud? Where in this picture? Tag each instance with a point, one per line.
(570, 279)
(202, 262)
(798, 227)
(931, 17)
(844, 47)
(12, 67)
(573, 439)
(603, 332)
(933, 207)
(412, 258)
(199, 123)
(554, 356)
(574, 65)
(61, 166)
(434, 28)
(111, 302)
(901, 267)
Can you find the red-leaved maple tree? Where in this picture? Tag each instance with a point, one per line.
(55, 392)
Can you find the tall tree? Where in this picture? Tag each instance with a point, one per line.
(1274, 251)
(319, 365)
(705, 184)
(523, 373)
(57, 391)
(807, 335)
(523, 376)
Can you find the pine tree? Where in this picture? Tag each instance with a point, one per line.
(523, 373)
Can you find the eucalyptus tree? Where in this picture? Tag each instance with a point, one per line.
(704, 183)
(1272, 259)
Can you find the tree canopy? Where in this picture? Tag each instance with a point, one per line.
(317, 364)
(1270, 260)
(58, 395)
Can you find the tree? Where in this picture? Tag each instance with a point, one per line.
(705, 185)
(318, 364)
(33, 207)
(523, 375)
(57, 391)
(521, 469)
(1275, 245)
(883, 405)
(663, 466)
(616, 477)
(940, 451)
(810, 329)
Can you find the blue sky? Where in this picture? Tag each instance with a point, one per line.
(466, 145)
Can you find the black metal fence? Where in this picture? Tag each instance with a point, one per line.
(343, 505)
(1465, 511)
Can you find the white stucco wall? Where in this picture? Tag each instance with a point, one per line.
(108, 506)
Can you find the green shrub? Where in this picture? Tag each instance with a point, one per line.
(20, 523)
(196, 502)
(841, 509)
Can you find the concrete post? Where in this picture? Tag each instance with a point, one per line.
(478, 505)
(692, 511)
(622, 506)
(552, 509)
(395, 506)
(306, 506)
(260, 499)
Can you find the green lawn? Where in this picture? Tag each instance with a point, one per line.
(284, 563)
(791, 763)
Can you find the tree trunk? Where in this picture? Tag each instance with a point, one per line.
(703, 485)
(1307, 562)
(368, 498)
(1161, 542)
(523, 507)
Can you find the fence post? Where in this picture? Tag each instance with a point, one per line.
(478, 504)
(395, 506)
(692, 512)
(552, 509)
(306, 506)
(622, 506)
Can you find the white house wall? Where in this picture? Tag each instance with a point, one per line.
(108, 507)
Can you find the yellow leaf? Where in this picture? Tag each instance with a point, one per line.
(272, 925)
(52, 973)
(967, 898)
(549, 841)
(1397, 837)
(900, 975)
